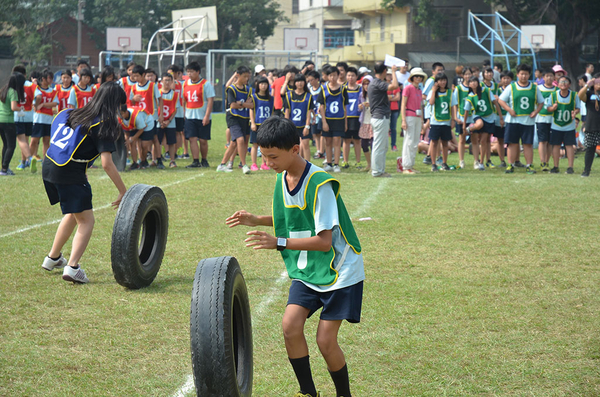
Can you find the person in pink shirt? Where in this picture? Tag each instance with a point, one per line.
(412, 119)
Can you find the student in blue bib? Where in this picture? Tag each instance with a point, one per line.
(353, 114)
(298, 106)
(333, 100)
(263, 109)
(319, 247)
(78, 137)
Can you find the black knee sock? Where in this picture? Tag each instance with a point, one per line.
(589, 158)
(302, 369)
(341, 381)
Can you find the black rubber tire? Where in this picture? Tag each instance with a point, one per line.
(221, 330)
(119, 156)
(139, 236)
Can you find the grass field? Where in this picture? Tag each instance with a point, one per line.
(478, 283)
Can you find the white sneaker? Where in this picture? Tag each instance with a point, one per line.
(75, 275)
(324, 162)
(230, 165)
(336, 168)
(223, 168)
(481, 167)
(246, 170)
(476, 165)
(327, 167)
(461, 164)
(50, 264)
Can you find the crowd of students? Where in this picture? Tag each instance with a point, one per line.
(487, 111)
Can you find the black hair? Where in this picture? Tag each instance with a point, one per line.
(82, 62)
(130, 64)
(277, 132)
(174, 68)
(467, 69)
(488, 70)
(19, 69)
(151, 71)
(343, 65)
(568, 78)
(581, 77)
(438, 77)
(16, 82)
(332, 69)
(35, 75)
(86, 72)
(479, 89)
(289, 69)
(257, 83)
(365, 92)
(139, 69)
(437, 65)
(308, 63)
(352, 69)
(524, 67)
(47, 73)
(106, 73)
(242, 69)
(548, 71)
(195, 66)
(325, 66)
(124, 73)
(508, 73)
(380, 68)
(314, 74)
(103, 106)
(499, 66)
(167, 75)
(66, 72)
(486, 62)
(538, 70)
(301, 77)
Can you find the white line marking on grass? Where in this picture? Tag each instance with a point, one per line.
(367, 203)
(187, 388)
(52, 222)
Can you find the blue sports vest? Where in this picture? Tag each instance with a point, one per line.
(64, 140)
(352, 106)
(240, 96)
(298, 109)
(262, 109)
(334, 104)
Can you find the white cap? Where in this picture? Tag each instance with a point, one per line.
(258, 69)
(363, 69)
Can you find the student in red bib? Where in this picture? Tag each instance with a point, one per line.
(127, 83)
(133, 122)
(83, 91)
(63, 90)
(24, 120)
(176, 72)
(166, 130)
(80, 136)
(45, 101)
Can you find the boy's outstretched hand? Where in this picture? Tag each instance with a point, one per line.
(261, 240)
(242, 218)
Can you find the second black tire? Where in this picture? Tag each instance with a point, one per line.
(139, 236)
(221, 330)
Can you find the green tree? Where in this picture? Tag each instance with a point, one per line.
(424, 14)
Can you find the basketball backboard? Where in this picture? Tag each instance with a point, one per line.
(300, 39)
(538, 37)
(198, 28)
(124, 39)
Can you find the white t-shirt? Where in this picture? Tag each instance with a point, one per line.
(506, 96)
(402, 77)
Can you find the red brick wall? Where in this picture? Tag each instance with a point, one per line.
(64, 32)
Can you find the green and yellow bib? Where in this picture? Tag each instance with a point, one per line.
(563, 115)
(546, 92)
(523, 99)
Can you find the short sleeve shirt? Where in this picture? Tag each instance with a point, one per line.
(413, 97)
(6, 112)
(199, 113)
(378, 99)
(506, 96)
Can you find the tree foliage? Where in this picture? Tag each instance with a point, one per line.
(424, 14)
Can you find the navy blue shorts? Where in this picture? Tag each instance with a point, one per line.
(443, 132)
(516, 133)
(488, 128)
(341, 304)
(194, 129)
(331, 134)
(73, 199)
(148, 135)
(24, 128)
(40, 130)
(170, 133)
(499, 132)
(543, 131)
(353, 127)
(300, 131)
(458, 129)
(315, 129)
(239, 129)
(253, 135)
(179, 124)
(560, 137)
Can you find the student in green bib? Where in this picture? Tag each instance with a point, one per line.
(441, 123)
(489, 82)
(522, 101)
(481, 102)
(320, 249)
(565, 105)
(459, 96)
(543, 121)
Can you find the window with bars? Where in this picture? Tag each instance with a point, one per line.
(338, 38)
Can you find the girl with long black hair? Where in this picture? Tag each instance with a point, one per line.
(78, 137)
(10, 95)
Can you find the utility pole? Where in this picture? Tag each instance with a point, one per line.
(80, 5)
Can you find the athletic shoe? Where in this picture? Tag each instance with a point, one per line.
(345, 165)
(38, 158)
(461, 164)
(399, 167)
(34, 165)
(172, 164)
(476, 165)
(75, 275)
(230, 165)
(3, 173)
(358, 165)
(186, 156)
(570, 171)
(324, 162)
(153, 163)
(440, 160)
(434, 168)
(133, 167)
(502, 164)
(204, 163)
(128, 162)
(530, 170)
(510, 169)
(481, 167)
(554, 170)
(195, 164)
(254, 167)
(246, 169)
(21, 166)
(143, 165)
(518, 164)
(51, 264)
(327, 168)
(394, 148)
(160, 166)
(545, 167)
(585, 174)
(317, 156)
(445, 167)
(223, 168)
(427, 160)
(409, 172)
(336, 168)
(299, 394)
(383, 175)
(323, 156)
(265, 167)
(489, 164)
(167, 156)
(7, 172)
